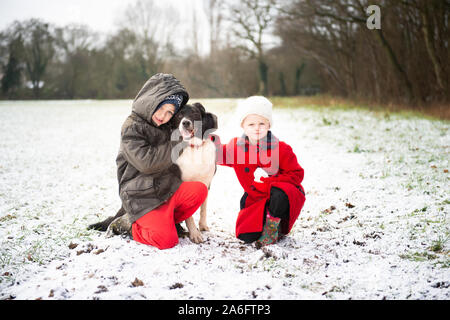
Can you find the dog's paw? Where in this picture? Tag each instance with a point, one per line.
(196, 236)
(203, 227)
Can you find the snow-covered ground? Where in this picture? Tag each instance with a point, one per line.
(375, 224)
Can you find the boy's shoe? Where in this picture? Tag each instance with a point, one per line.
(181, 232)
(120, 226)
(270, 232)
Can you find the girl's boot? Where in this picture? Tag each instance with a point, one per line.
(270, 231)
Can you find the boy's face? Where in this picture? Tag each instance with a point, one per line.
(163, 114)
(255, 127)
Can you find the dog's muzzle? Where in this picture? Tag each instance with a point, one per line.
(186, 129)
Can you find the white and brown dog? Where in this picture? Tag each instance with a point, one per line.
(197, 160)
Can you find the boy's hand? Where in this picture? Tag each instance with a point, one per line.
(215, 139)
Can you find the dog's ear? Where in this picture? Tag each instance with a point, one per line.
(175, 121)
(200, 107)
(210, 122)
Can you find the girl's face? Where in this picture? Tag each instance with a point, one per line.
(255, 127)
(163, 114)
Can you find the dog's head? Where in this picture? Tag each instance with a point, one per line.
(194, 122)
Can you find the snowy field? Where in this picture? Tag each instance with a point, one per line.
(375, 224)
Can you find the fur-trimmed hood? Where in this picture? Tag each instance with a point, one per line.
(154, 91)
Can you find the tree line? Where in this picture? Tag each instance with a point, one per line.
(270, 47)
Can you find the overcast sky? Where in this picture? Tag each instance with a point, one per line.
(100, 15)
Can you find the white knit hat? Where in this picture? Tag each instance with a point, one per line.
(258, 105)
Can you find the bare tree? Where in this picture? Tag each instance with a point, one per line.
(335, 34)
(195, 34)
(154, 27)
(251, 23)
(38, 50)
(12, 66)
(433, 19)
(213, 10)
(75, 43)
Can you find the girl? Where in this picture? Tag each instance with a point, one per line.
(270, 205)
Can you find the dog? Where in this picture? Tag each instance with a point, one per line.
(195, 154)
(197, 159)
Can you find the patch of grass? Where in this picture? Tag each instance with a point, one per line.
(435, 252)
(418, 211)
(418, 256)
(358, 149)
(326, 122)
(334, 289)
(443, 264)
(439, 244)
(385, 172)
(5, 258)
(384, 111)
(7, 218)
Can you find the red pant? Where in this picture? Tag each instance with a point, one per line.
(157, 228)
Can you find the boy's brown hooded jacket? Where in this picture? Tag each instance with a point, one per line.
(145, 171)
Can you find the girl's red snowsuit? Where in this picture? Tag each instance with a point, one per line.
(280, 162)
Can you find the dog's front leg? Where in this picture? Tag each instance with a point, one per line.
(194, 233)
(202, 223)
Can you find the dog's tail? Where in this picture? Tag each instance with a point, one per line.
(103, 225)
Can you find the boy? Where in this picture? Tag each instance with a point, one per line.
(270, 206)
(154, 198)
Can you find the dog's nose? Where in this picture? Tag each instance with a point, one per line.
(186, 123)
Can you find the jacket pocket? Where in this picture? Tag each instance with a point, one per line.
(136, 193)
(140, 183)
(141, 200)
